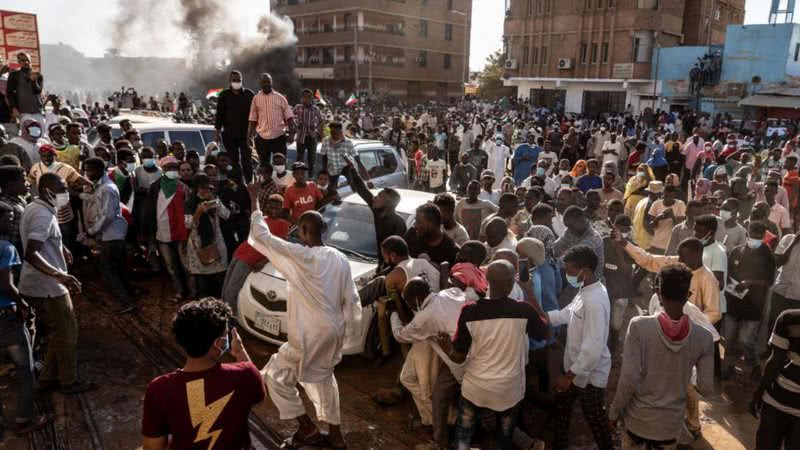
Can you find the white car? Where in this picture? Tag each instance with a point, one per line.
(350, 228)
(194, 136)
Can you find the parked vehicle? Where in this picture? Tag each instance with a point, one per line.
(350, 229)
(195, 136)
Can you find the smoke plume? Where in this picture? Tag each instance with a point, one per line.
(214, 47)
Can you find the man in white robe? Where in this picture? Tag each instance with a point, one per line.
(323, 307)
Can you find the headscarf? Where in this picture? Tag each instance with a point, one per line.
(635, 183)
(23, 132)
(579, 169)
(672, 180)
(701, 188)
(471, 276)
(657, 158)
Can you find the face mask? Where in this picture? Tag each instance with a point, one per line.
(573, 281)
(626, 235)
(753, 243)
(149, 162)
(566, 186)
(236, 85)
(280, 169)
(228, 168)
(35, 132)
(725, 215)
(563, 173)
(707, 240)
(640, 175)
(61, 200)
(130, 167)
(172, 174)
(323, 187)
(540, 171)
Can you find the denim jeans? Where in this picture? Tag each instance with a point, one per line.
(113, 267)
(170, 252)
(308, 148)
(469, 414)
(740, 338)
(14, 338)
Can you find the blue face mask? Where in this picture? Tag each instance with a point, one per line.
(754, 243)
(573, 280)
(540, 171)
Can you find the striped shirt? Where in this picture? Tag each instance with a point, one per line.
(784, 393)
(271, 112)
(309, 121)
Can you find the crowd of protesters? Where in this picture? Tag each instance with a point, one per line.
(555, 244)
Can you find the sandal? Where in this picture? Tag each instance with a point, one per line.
(317, 439)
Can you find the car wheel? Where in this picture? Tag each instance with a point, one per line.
(372, 344)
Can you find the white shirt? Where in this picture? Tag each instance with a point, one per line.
(436, 171)
(558, 225)
(323, 305)
(438, 314)
(615, 146)
(285, 181)
(587, 317)
(458, 234)
(418, 267)
(498, 159)
(716, 260)
(691, 310)
(493, 196)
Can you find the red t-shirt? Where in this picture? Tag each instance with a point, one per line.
(301, 199)
(248, 255)
(205, 410)
(278, 227)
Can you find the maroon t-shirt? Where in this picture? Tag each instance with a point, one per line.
(205, 410)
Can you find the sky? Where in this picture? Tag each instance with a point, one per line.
(85, 24)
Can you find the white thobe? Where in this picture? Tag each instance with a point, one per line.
(323, 307)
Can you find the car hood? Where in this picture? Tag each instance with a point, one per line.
(361, 271)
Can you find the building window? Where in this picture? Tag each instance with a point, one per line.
(587, 4)
(648, 4)
(716, 15)
(610, 3)
(544, 56)
(449, 5)
(448, 32)
(600, 4)
(535, 57)
(422, 59)
(796, 52)
(583, 54)
(530, 8)
(447, 61)
(642, 46)
(548, 6)
(525, 55)
(423, 28)
(594, 53)
(604, 52)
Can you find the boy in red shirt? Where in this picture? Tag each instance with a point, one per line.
(302, 196)
(204, 405)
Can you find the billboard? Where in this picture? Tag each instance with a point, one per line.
(19, 32)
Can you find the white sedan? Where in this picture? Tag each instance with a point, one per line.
(350, 228)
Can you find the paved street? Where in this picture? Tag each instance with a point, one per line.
(122, 354)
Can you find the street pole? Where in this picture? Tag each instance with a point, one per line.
(371, 55)
(355, 60)
(655, 75)
(464, 60)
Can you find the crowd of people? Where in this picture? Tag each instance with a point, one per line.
(555, 247)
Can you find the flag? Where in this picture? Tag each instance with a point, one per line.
(352, 100)
(318, 96)
(213, 93)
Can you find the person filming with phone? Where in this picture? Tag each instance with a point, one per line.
(206, 403)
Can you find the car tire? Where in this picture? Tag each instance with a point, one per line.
(372, 343)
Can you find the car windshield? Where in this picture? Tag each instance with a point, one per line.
(350, 228)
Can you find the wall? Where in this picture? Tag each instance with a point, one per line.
(674, 66)
(761, 50)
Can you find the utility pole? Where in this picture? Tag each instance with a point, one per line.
(355, 60)
(464, 60)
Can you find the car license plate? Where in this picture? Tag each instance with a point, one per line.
(271, 325)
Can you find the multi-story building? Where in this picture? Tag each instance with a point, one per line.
(597, 55)
(412, 49)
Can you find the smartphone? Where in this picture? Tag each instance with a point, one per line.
(524, 270)
(231, 325)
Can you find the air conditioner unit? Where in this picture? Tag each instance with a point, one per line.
(565, 63)
(511, 64)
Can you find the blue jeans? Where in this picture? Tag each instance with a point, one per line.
(16, 341)
(740, 338)
(469, 414)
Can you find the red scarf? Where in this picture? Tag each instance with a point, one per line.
(675, 330)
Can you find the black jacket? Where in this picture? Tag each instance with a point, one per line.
(233, 111)
(13, 86)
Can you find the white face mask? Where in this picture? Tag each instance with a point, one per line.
(35, 132)
(626, 235)
(280, 169)
(149, 162)
(60, 200)
(563, 173)
(725, 215)
(130, 167)
(172, 174)
(323, 187)
(566, 186)
(236, 85)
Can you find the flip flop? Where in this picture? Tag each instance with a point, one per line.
(295, 442)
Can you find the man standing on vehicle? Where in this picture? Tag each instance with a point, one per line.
(323, 308)
(270, 118)
(24, 91)
(231, 123)
(309, 129)
(336, 149)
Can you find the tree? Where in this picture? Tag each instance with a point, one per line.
(491, 78)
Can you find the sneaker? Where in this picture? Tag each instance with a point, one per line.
(32, 425)
(78, 387)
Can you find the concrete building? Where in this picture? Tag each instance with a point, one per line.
(597, 55)
(413, 49)
(759, 63)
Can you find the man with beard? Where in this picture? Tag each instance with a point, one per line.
(426, 236)
(270, 115)
(323, 308)
(23, 91)
(233, 109)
